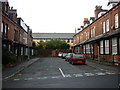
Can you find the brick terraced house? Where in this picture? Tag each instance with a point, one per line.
(16, 35)
(99, 37)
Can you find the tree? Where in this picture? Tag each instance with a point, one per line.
(41, 45)
(57, 44)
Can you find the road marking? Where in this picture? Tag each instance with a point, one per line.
(30, 78)
(43, 77)
(16, 79)
(62, 72)
(56, 77)
(25, 79)
(38, 78)
(68, 75)
(78, 75)
(89, 74)
(110, 73)
(100, 73)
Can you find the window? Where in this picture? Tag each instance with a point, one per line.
(93, 32)
(87, 48)
(21, 38)
(21, 50)
(91, 48)
(84, 49)
(107, 25)
(26, 51)
(5, 31)
(116, 20)
(32, 52)
(2, 27)
(103, 27)
(16, 35)
(114, 45)
(101, 47)
(106, 46)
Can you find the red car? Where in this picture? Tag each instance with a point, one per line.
(64, 55)
(77, 58)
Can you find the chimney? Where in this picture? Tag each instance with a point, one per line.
(98, 9)
(85, 21)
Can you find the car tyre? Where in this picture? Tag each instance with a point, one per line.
(72, 63)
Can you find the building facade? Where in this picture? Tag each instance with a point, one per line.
(16, 35)
(67, 37)
(100, 39)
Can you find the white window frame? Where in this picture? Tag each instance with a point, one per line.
(107, 51)
(2, 27)
(104, 27)
(114, 45)
(21, 50)
(101, 47)
(84, 49)
(116, 20)
(107, 25)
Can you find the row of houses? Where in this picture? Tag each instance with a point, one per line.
(67, 37)
(15, 33)
(99, 37)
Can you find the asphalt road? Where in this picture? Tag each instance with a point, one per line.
(54, 72)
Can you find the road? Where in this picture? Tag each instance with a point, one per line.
(54, 72)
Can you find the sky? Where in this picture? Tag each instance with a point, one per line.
(55, 16)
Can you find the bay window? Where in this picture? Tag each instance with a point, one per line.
(114, 45)
(106, 46)
(101, 47)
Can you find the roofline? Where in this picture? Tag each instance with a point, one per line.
(53, 33)
(52, 38)
(99, 18)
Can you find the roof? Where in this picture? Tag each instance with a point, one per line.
(53, 35)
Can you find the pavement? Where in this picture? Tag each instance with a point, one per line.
(10, 72)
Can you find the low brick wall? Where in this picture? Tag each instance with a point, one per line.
(51, 53)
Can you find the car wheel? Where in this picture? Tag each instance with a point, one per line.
(72, 63)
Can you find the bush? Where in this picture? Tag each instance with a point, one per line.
(8, 57)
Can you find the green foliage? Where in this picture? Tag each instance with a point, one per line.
(41, 45)
(53, 44)
(33, 44)
(8, 57)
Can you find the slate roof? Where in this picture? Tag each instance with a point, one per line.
(52, 35)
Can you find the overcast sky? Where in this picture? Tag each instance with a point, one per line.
(60, 16)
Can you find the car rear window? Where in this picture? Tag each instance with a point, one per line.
(81, 56)
(65, 54)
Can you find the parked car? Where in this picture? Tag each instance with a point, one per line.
(69, 56)
(77, 58)
(60, 54)
(64, 55)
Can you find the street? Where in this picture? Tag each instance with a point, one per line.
(54, 72)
